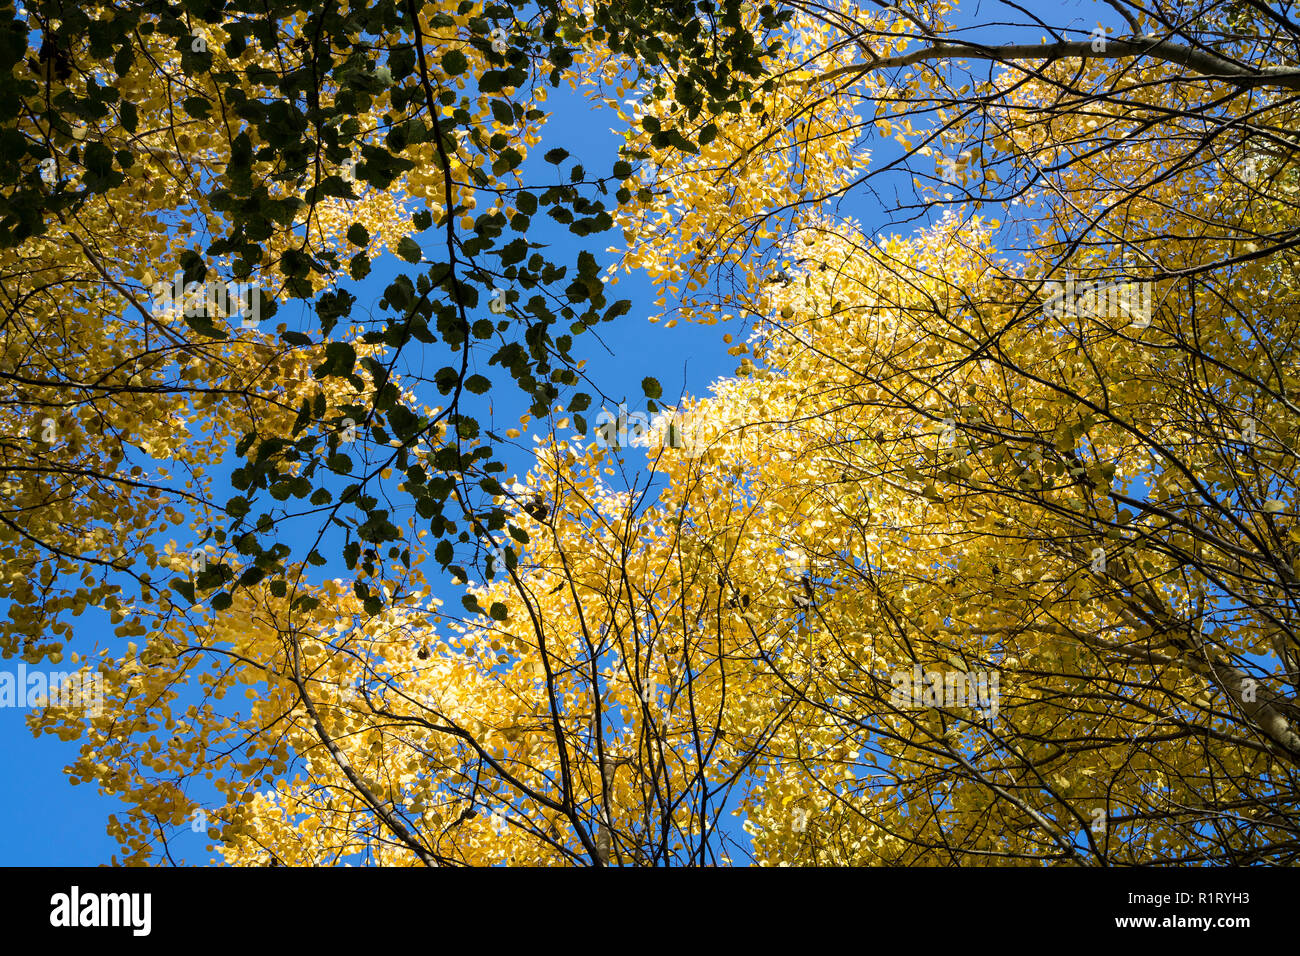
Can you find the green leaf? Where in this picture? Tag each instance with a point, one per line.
(196, 106)
(409, 250)
(340, 359)
(454, 63)
(502, 113)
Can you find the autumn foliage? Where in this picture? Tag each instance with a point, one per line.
(988, 553)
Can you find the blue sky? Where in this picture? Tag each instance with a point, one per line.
(50, 822)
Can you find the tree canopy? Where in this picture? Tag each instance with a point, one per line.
(987, 554)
